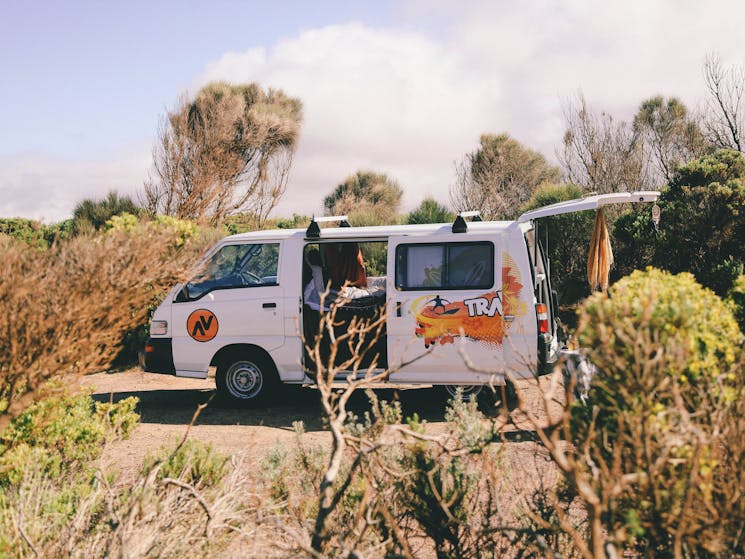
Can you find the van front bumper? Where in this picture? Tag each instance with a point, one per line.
(157, 357)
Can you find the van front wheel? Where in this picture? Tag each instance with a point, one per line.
(245, 381)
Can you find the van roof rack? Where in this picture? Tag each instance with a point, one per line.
(314, 230)
(460, 225)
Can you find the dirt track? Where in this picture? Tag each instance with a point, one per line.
(167, 405)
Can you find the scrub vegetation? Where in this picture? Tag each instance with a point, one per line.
(650, 466)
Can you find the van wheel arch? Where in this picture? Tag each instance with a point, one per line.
(246, 374)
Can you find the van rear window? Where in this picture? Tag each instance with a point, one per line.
(445, 266)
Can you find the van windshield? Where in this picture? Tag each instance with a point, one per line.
(234, 266)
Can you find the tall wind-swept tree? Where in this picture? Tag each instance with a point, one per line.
(671, 135)
(228, 149)
(499, 177)
(600, 153)
(724, 119)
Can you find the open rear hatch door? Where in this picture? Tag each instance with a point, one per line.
(589, 203)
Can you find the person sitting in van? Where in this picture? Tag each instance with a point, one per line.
(314, 284)
(346, 269)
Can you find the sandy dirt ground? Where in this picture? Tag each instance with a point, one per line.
(167, 405)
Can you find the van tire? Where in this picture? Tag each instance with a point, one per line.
(246, 379)
(499, 398)
(448, 391)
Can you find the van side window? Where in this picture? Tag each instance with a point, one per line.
(234, 266)
(445, 266)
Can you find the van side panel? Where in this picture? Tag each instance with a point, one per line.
(251, 314)
(445, 334)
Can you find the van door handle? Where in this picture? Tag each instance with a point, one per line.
(269, 306)
(398, 309)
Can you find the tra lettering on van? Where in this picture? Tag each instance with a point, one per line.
(481, 306)
(202, 325)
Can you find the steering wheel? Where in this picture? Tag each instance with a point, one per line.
(249, 278)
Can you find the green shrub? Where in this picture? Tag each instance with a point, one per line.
(183, 229)
(702, 224)
(193, 462)
(25, 230)
(294, 222)
(736, 299)
(92, 215)
(293, 476)
(61, 433)
(429, 211)
(123, 222)
(668, 353)
(59, 231)
(34, 233)
(694, 333)
(440, 492)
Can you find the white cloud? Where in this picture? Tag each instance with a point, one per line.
(391, 101)
(400, 101)
(46, 188)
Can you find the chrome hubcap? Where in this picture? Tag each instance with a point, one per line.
(244, 380)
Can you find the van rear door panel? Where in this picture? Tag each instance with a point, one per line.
(446, 307)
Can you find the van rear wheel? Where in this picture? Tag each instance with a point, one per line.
(466, 391)
(246, 379)
(501, 398)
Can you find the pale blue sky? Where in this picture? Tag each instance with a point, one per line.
(403, 87)
(84, 76)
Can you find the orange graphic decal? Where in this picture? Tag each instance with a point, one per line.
(202, 325)
(486, 318)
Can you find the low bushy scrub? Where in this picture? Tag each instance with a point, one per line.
(65, 311)
(47, 468)
(292, 476)
(55, 500)
(35, 233)
(183, 235)
(192, 462)
(669, 358)
(61, 433)
(736, 299)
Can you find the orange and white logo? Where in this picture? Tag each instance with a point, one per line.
(202, 325)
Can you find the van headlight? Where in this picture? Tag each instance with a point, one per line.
(158, 327)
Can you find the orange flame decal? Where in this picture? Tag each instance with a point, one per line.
(481, 318)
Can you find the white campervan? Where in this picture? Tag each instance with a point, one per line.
(477, 288)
